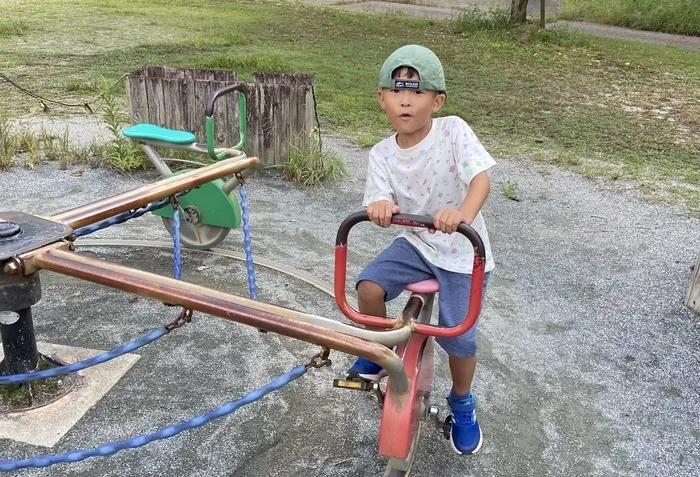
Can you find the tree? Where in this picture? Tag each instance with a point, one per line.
(518, 11)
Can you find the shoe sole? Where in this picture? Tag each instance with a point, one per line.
(478, 446)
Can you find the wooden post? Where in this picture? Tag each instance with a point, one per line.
(692, 300)
(281, 115)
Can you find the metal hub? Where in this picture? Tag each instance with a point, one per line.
(192, 216)
(20, 233)
(8, 229)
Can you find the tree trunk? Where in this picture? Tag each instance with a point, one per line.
(518, 11)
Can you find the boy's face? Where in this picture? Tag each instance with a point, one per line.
(409, 111)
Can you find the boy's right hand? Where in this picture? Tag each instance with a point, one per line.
(380, 212)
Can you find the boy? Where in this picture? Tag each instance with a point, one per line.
(434, 167)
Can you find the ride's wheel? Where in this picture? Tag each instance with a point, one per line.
(402, 467)
(197, 235)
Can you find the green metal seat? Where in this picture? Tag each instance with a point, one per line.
(152, 132)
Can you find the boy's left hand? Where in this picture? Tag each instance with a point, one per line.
(447, 220)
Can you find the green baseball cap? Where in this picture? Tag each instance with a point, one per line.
(420, 58)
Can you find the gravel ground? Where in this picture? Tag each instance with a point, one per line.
(588, 359)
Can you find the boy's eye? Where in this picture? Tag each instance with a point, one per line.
(395, 90)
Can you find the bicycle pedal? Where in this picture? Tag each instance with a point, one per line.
(446, 427)
(357, 384)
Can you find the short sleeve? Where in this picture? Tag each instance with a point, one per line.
(378, 185)
(471, 157)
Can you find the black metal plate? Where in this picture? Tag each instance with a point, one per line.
(36, 232)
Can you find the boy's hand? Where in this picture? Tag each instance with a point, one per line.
(380, 212)
(447, 220)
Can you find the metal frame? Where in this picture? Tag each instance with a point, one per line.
(410, 369)
(59, 258)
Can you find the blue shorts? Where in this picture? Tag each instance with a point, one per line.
(401, 264)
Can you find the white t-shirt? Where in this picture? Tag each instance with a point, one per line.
(432, 175)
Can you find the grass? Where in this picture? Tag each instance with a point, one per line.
(12, 28)
(510, 190)
(672, 16)
(311, 165)
(122, 154)
(607, 109)
(30, 149)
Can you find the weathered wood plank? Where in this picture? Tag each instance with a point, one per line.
(202, 90)
(692, 299)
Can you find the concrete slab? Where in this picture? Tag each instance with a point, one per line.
(46, 425)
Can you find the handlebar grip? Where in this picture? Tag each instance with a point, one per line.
(410, 220)
(242, 113)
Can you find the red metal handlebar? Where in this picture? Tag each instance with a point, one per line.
(475, 294)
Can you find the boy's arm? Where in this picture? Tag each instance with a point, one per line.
(379, 199)
(471, 161)
(479, 189)
(447, 220)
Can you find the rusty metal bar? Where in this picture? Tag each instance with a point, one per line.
(263, 316)
(110, 206)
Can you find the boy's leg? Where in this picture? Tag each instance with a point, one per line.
(383, 280)
(371, 298)
(453, 301)
(462, 370)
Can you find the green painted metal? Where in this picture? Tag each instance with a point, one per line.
(214, 206)
(243, 122)
(156, 133)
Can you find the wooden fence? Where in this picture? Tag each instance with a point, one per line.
(281, 108)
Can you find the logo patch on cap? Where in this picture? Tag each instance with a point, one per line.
(403, 84)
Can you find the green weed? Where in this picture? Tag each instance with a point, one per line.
(311, 166)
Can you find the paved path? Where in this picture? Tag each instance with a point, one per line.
(445, 9)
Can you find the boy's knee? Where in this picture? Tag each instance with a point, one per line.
(368, 291)
(464, 346)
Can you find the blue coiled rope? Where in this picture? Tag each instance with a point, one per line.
(247, 242)
(121, 218)
(139, 441)
(176, 243)
(119, 350)
(80, 365)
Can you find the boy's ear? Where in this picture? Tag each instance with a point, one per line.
(380, 97)
(439, 102)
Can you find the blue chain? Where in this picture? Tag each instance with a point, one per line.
(119, 350)
(247, 241)
(139, 441)
(176, 243)
(121, 218)
(80, 365)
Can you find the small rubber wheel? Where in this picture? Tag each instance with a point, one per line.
(199, 237)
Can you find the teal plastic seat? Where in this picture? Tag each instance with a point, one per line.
(156, 133)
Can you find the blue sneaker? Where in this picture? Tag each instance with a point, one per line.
(366, 369)
(465, 435)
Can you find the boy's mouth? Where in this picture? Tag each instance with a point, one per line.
(405, 116)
